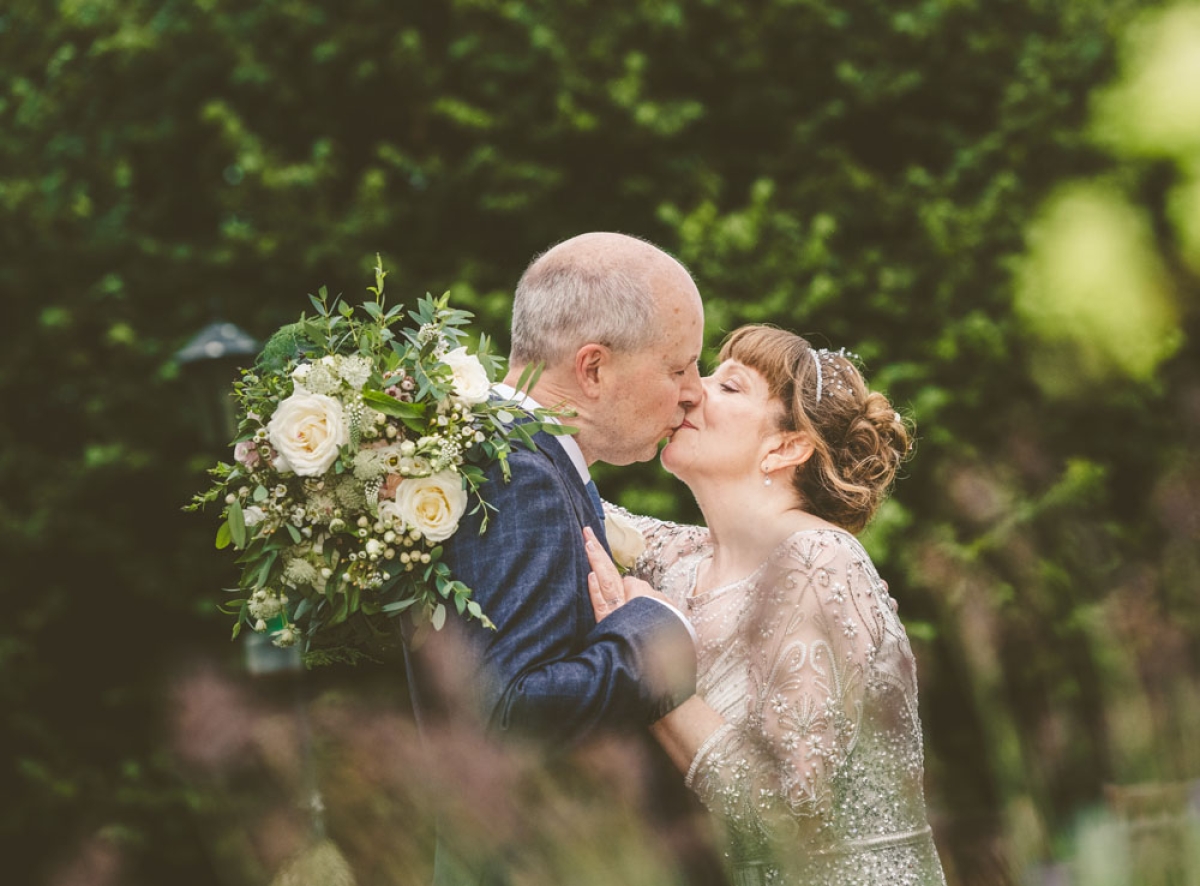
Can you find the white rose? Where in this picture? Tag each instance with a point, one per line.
(432, 505)
(306, 430)
(626, 543)
(253, 515)
(471, 383)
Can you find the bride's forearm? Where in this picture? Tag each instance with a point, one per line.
(682, 731)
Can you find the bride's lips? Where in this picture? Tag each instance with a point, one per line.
(685, 424)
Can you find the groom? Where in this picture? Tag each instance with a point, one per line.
(617, 325)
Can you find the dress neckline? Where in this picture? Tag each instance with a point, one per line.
(697, 599)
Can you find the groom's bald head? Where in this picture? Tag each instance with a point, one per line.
(601, 287)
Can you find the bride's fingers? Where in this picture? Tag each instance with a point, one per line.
(601, 563)
(604, 582)
(596, 595)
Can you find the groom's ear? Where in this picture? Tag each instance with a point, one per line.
(591, 362)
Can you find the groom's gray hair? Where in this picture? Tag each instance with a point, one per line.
(591, 288)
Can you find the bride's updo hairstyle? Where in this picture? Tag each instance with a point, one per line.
(859, 440)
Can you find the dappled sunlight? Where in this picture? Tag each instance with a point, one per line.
(1094, 285)
(1154, 107)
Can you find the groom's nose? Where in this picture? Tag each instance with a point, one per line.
(691, 392)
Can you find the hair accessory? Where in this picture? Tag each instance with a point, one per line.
(819, 355)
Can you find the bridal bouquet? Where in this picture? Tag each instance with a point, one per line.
(361, 445)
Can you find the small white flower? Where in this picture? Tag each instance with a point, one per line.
(286, 637)
(265, 604)
(355, 371)
(299, 572)
(391, 515)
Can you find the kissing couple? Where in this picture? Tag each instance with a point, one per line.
(761, 651)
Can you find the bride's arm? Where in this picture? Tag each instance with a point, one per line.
(686, 729)
(803, 651)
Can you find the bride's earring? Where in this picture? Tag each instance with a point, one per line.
(766, 476)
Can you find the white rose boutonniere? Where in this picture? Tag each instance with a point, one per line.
(626, 542)
(471, 383)
(307, 430)
(432, 505)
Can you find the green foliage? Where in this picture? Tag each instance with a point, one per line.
(324, 562)
(860, 171)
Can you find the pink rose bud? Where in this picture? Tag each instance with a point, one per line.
(389, 486)
(246, 453)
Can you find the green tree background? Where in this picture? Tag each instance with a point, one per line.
(871, 173)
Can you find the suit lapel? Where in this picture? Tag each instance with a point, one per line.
(580, 500)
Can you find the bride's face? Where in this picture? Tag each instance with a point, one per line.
(727, 435)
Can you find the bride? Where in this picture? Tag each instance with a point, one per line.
(803, 735)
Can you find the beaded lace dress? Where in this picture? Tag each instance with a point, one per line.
(817, 772)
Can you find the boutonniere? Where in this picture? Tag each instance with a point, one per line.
(624, 539)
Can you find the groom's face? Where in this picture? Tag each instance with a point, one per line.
(651, 389)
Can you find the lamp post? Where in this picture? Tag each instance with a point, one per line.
(211, 361)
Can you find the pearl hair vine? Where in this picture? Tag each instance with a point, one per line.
(819, 356)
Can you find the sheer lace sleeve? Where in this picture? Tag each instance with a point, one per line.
(666, 542)
(805, 631)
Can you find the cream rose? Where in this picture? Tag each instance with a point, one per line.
(306, 430)
(471, 383)
(626, 543)
(432, 505)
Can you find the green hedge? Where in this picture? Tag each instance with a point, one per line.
(861, 171)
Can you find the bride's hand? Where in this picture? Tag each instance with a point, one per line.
(608, 590)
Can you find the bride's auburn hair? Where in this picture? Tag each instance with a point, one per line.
(858, 438)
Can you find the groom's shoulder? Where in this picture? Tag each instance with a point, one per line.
(530, 471)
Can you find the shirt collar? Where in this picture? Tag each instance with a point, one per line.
(567, 442)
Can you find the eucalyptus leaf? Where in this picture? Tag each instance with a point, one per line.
(237, 524)
(381, 402)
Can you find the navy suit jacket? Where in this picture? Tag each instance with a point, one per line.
(549, 671)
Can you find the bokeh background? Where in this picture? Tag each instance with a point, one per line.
(996, 203)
